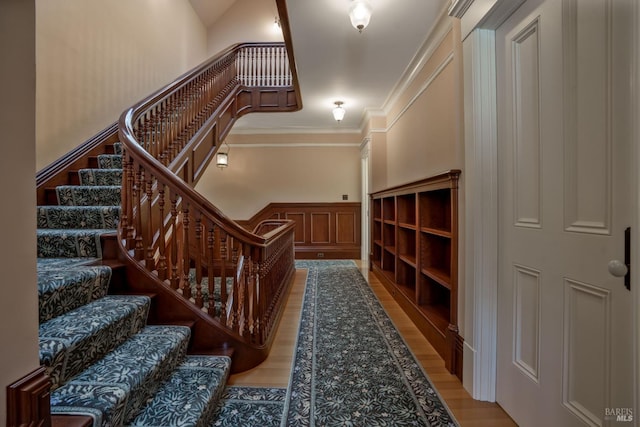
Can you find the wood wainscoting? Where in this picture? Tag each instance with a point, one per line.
(328, 230)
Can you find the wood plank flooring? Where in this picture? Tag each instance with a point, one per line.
(275, 371)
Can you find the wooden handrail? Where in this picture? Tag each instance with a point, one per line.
(180, 237)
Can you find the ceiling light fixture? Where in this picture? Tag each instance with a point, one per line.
(338, 111)
(360, 14)
(222, 157)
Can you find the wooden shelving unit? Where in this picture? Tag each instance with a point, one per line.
(414, 253)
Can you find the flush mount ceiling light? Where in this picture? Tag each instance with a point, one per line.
(360, 14)
(338, 111)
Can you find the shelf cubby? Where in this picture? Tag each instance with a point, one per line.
(406, 213)
(407, 245)
(389, 209)
(406, 278)
(435, 210)
(414, 252)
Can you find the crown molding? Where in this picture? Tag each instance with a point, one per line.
(435, 37)
(459, 8)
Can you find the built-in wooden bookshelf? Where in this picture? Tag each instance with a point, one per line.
(414, 253)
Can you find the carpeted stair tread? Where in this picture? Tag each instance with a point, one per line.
(63, 287)
(72, 342)
(117, 148)
(119, 384)
(78, 217)
(110, 161)
(70, 243)
(190, 396)
(100, 176)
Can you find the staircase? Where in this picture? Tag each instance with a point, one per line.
(103, 358)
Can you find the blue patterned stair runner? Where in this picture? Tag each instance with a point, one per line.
(101, 357)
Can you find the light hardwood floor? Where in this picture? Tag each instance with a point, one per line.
(275, 371)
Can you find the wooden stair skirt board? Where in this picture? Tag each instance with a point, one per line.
(414, 253)
(28, 400)
(327, 230)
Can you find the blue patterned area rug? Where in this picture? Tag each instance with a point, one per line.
(351, 366)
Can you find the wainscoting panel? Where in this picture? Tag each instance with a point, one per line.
(320, 228)
(299, 234)
(323, 230)
(346, 227)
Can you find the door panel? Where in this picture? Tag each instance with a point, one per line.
(564, 323)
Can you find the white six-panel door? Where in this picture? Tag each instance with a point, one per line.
(564, 322)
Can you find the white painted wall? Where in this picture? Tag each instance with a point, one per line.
(95, 58)
(18, 290)
(244, 21)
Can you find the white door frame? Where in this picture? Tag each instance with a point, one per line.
(479, 20)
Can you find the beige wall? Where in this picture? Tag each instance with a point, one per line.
(95, 58)
(18, 290)
(423, 136)
(244, 22)
(283, 168)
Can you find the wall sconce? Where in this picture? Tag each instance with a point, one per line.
(222, 157)
(276, 24)
(360, 14)
(338, 111)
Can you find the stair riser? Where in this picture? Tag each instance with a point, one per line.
(96, 195)
(62, 291)
(100, 177)
(72, 217)
(69, 243)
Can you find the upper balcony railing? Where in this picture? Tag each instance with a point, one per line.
(176, 235)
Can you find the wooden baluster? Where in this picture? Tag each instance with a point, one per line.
(224, 295)
(242, 313)
(149, 260)
(198, 229)
(256, 304)
(185, 284)
(138, 190)
(175, 275)
(171, 131)
(248, 304)
(162, 259)
(129, 178)
(146, 139)
(162, 149)
(210, 268)
(223, 276)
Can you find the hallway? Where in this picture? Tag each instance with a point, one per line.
(275, 371)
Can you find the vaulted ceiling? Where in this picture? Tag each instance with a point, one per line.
(335, 62)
